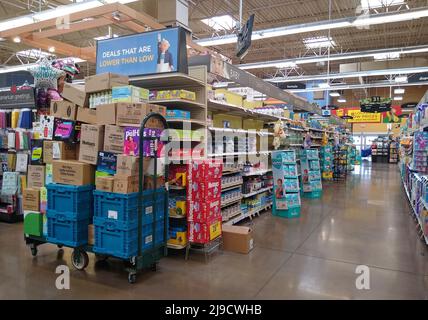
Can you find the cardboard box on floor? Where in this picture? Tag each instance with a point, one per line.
(104, 81)
(132, 114)
(91, 141)
(87, 115)
(35, 176)
(58, 150)
(31, 199)
(73, 172)
(113, 139)
(237, 239)
(76, 94)
(63, 109)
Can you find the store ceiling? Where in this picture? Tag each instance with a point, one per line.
(268, 14)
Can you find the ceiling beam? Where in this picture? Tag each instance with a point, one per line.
(79, 26)
(139, 16)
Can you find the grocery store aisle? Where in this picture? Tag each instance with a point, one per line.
(363, 221)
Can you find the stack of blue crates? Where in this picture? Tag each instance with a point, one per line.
(116, 222)
(69, 213)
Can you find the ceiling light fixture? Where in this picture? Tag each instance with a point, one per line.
(319, 42)
(324, 85)
(399, 91)
(220, 23)
(17, 39)
(341, 100)
(401, 79)
(358, 21)
(375, 4)
(51, 49)
(334, 94)
(387, 56)
(398, 98)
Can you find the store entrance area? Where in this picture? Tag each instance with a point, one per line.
(363, 221)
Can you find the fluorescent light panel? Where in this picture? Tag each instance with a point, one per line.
(401, 79)
(324, 85)
(375, 4)
(398, 98)
(319, 42)
(334, 94)
(399, 91)
(387, 56)
(106, 37)
(220, 23)
(341, 100)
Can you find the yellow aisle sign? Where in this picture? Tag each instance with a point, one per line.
(363, 117)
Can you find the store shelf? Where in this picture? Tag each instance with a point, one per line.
(167, 80)
(228, 130)
(296, 145)
(175, 246)
(228, 186)
(247, 195)
(177, 216)
(248, 214)
(199, 122)
(185, 159)
(227, 172)
(180, 103)
(233, 215)
(173, 187)
(317, 130)
(317, 138)
(256, 173)
(296, 129)
(231, 201)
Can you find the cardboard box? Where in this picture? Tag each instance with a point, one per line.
(106, 114)
(31, 199)
(205, 170)
(35, 177)
(237, 239)
(113, 139)
(149, 182)
(125, 184)
(76, 94)
(73, 172)
(104, 183)
(210, 190)
(58, 150)
(204, 232)
(127, 165)
(91, 235)
(130, 94)
(91, 141)
(104, 81)
(132, 114)
(63, 109)
(87, 115)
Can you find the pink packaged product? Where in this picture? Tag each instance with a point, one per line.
(131, 141)
(149, 145)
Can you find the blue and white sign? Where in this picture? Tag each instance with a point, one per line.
(145, 53)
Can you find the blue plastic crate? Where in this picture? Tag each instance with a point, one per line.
(120, 239)
(124, 207)
(75, 200)
(63, 229)
(115, 238)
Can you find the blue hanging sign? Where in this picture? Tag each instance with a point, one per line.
(158, 51)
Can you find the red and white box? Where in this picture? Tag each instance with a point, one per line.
(205, 170)
(202, 210)
(208, 190)
(204, 232)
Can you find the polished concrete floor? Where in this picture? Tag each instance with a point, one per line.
(363, 221)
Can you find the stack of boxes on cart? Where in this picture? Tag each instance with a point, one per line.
(204, 200)
(85, 188)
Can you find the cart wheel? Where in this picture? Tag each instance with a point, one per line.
(79, 259)
(132, 277)
(60, 246)
(154, 267)
(33, 250)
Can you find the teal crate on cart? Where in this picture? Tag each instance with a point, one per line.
(124, 207)
(63, 229)
(115, 238)
(120, 238)
(77, 200)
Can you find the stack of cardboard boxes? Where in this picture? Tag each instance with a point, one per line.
(204, 200)
(86, 146)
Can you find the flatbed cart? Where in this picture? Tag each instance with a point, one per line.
(148, 258)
